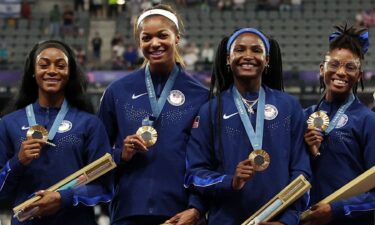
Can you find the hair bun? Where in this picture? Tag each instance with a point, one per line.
(360, 33)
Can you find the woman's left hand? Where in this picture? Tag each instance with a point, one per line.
(187, 217)
(270, 223)
(49, 203)
(321, 214)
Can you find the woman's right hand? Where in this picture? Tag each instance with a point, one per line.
(131, 145)
(313, 138)
(244, 172)
(30, 150)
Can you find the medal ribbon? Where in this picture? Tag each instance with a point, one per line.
(340, 112)
(55, 126)
(255, 137)
(157, 105)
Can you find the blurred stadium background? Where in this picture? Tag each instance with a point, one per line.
(101, 32)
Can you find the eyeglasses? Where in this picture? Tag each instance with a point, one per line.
(351, 67)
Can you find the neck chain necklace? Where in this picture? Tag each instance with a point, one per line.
(250, 104)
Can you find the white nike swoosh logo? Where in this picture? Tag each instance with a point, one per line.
(24, 128)
(225, 116)
(137, 96)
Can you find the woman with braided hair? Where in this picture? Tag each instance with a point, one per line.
(346, 147)
(247, 113)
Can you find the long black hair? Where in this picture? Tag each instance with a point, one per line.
(348, 37)
(75, 90)
(222, 79)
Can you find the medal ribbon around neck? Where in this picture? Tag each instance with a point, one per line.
(157, 105)
(255, 137)
(340, 112)
(55, 126)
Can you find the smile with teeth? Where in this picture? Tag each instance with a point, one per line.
(157, 53)
(247, 65)
(53, 81)
(339, 82)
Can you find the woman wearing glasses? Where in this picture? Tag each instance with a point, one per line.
(346, 147)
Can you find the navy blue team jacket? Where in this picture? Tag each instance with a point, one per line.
(151, 184)
(346, 152)
(80, 140)
(211, 170)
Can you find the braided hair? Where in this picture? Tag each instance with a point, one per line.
(222, 79)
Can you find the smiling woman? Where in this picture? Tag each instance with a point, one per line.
(148, 115)
(52, 70)
(158, 41)
(51, 75)
(248, 61)
(249, 143)
(347, 145)
(341, 73)
(51, 106)
(70, 79)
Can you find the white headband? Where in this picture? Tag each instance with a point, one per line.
(65, 57)
(161, 12)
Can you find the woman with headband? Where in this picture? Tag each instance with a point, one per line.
(346, 147)
(148, 115)
(52, 102)
(248, 115)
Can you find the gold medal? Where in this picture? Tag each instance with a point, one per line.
(38, 132)
(318, 120)
(148, 134)
(259, 159)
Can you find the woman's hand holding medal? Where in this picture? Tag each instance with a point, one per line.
(244, 172)
(132, 144)
(317, 123)
(313, 137)
(30, 150)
